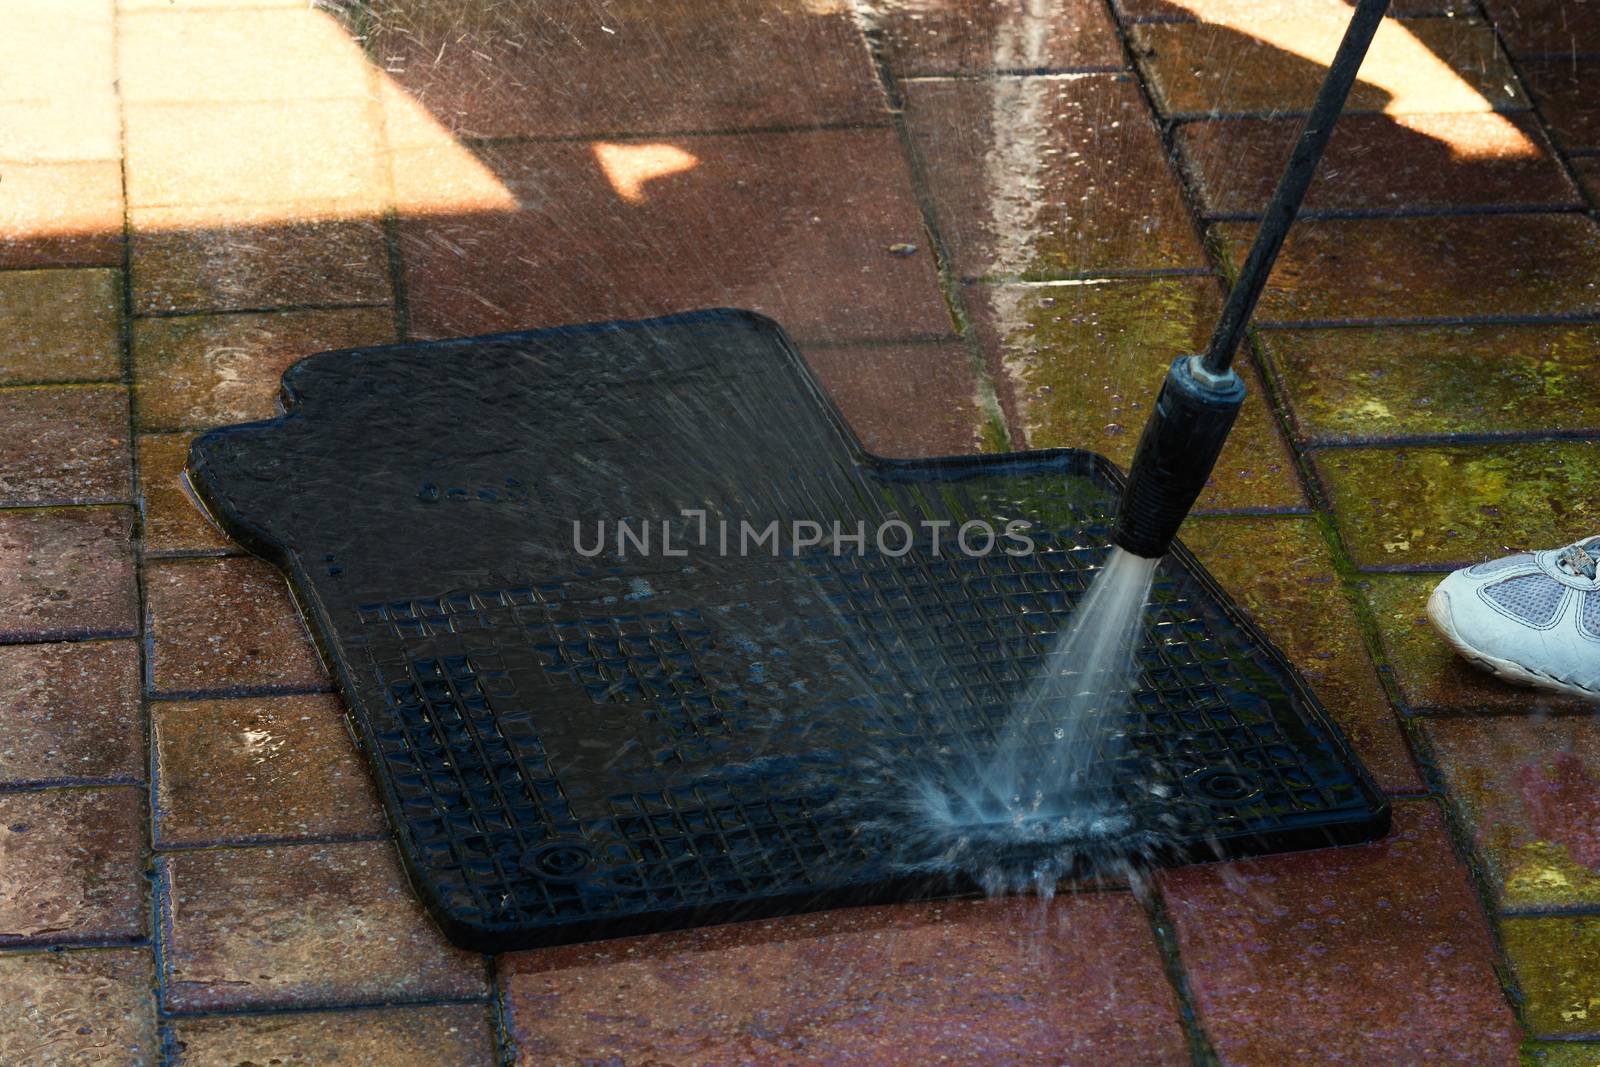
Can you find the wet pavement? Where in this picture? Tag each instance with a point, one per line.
(990, 225)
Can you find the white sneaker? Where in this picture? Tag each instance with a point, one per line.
(1532, 618)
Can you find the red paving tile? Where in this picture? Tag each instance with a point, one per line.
(279, 768)
(173, 520)
(60, 325)
(1588, 171)
(1018, 981)
(1371, 954)
(1527, 788)
(222, 625)
(442, 1035)
(235, 264)
(1456, 267)
(64, 445)
(919, 38)
(805, 227)
(636, 67)
(74, 866)
(1301, 607)
(1078, 365)
(1380, 163)
(1209, 10)
(302, 926)
(905, 400)
(61, 215)
(70, 712)
(1422, 66)
(1567, 91)
(88, 1007)
(66, 572)
(1554, 27)
(1046, 178)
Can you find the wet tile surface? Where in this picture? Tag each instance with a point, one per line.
(643, 67)
(1049, 178)
(968, 981)
(1216, 10)
(809, 228)
(71, 866)
(1333, 269)
(1527, 789)
(1380, 163)
(1432, 678)
(1450, 506)
(78, 1008)
(64, 445)
(70, 712)
(1299, 603)
(1371, 954)
(243, 260)
(283, 768)
(1079, 365)
(1560, 1053)
(877, 387)
(444, 1035)
(173, 521)
(60, 325)
(1556, 964)
(221, 625)
(973, 36)
(66, 572)
(1566, 91)
(279, 927)
(210, 370)
(1555, 27)
(61, 215)
(1360, 384)
(1258, 65)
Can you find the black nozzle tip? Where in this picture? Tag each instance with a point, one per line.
(1177, 451)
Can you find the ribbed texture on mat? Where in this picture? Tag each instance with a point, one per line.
(1533, 598)
(1496, 565)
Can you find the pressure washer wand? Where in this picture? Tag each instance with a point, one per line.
(1200, 397)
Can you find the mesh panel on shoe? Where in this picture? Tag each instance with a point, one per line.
(1533, 598)
(1591, 613)
(1500, 564)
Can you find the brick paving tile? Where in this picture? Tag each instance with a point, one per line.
(74, 866)
(1566, 92)
(280, 768)
(963, 981)
(64, 445)
(1430, 675)
(1424, 66)
(1334, 269)
(1380, 163)
(1554, 27)
(302, 926)
(1450, 506)
(1301, 606)
(1370, 954)
(173, 521)
(1528, 788)
(1588, 169)
(1213, 10)
(1079, 365)
(57, 50)
(209, 370)
(70, 712)
(60, 325)
(809, 228)
(1358, 384)
(226, 624)
(1044, 178)
(1556, 964)
(905, 400)
(645, 67)
(72, 130)
(61, 214)
(443, 1035)
(66, 572)
(975, 36)
(1560, 1053)
(246, 259)
(91, 1007)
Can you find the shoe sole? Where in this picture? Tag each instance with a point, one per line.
(1504, 669)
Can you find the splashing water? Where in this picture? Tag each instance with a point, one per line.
(1048, 791)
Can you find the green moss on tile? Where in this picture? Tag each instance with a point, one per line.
(1561, 1054)
(1556, 962)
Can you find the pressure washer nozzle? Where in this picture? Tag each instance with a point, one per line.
(1179, 447)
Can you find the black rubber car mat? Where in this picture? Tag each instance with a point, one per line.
(574, 744)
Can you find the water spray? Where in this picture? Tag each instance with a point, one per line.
(1200, 398)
